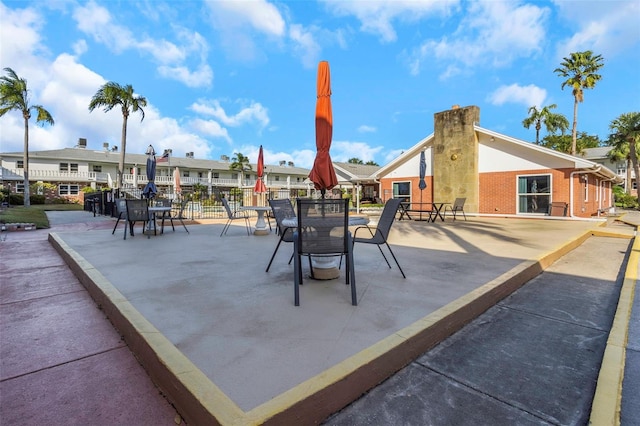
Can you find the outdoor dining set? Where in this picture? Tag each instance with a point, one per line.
(148, 212)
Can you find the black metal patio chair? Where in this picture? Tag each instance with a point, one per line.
(121, 211)
(458, 206)
(382, 231)
(233, 215)
(137, 211)
(282, 209)
(323, 231)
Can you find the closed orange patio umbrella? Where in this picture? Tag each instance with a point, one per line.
(323, 174)
(260, 187)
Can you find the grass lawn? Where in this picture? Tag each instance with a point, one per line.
(34, 214)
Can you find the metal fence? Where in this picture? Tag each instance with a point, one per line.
(199, 205)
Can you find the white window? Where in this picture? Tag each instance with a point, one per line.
(216, 175)
(68, 167)
(20, 188)
(68, 190)
(534, 193)
(585, 182)
(402, 190)
(97, 168)
(20, 164)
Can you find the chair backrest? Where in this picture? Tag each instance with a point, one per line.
(121, 206)
(225, 203)
(387, 217)
(183, 205)
(163, 202)
(282, 209)
(323, 226)
(458, 204)
(137, 210)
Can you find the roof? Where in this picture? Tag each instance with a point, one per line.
(596, 153)
(107, 156)
(357, 171)
(578, 162)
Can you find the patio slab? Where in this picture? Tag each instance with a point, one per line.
(213, 302)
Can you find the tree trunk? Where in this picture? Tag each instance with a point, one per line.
(574, 130)
(25, 160)
(123, 143)
(627, 183)
(634, 161)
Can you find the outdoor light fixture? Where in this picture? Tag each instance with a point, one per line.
(150, 150)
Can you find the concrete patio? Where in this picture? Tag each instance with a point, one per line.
(223, 340)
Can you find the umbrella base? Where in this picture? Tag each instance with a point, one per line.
(325, 268)
(261, 232)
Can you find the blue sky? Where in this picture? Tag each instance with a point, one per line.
(228, 76)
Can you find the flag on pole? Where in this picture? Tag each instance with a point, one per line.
(164, 158)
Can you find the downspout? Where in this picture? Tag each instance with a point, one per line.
(595, 170)
(610, 194)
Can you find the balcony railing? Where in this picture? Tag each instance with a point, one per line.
(141, 180)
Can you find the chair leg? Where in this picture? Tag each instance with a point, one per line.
(394, 258)
(182, 222)
(226, 226)
(274, 255)
(385, 257)
(352, 278)
(297, 276)
(116, 225)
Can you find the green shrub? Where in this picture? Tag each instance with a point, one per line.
(16, 199)
(36, 199)
(623, 199)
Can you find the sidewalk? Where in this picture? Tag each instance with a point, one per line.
(61, 360)
(30, 391)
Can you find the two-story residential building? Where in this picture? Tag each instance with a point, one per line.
(622, 168)
(72, 169)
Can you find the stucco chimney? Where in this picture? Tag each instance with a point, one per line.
(455, 156)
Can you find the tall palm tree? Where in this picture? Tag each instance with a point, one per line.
(14, 95)
(240, 163)
(552, 121)
(111, 95)
(624, 138)
(580, 71)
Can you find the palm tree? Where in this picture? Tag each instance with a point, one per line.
(553, 122)
(110, 95)
(580, 71)
(240, 163)
(624, 138)
(14, 95)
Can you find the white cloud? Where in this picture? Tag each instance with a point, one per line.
(305, 45)
(528, 96)
(606, 28)
(492, 33)
(22, 45)
(200, 77)
(253, 113)
(210, 128)
(367, 129)
(172, 58)
(260, 15)
(377, 16)
(238, 22)
(342, 151)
